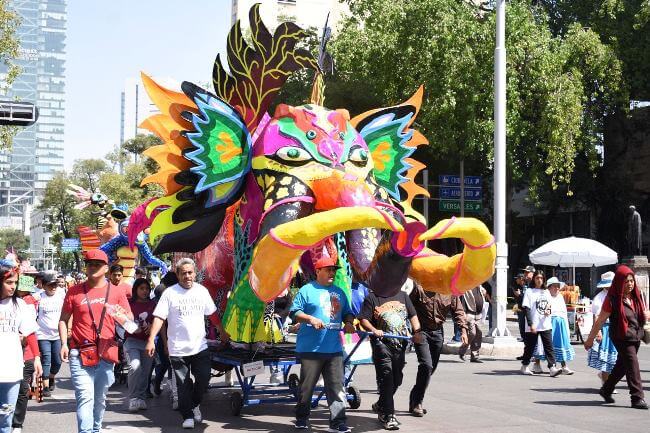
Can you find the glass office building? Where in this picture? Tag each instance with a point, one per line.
(37, 151)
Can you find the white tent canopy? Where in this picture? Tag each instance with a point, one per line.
(573, 252)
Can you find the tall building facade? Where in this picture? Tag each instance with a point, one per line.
(305, 13)
(37, 152)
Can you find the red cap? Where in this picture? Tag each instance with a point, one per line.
(98, 255)
(326, 262)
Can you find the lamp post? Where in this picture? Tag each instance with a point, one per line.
(500, 329)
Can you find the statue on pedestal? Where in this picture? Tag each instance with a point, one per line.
(634, 232)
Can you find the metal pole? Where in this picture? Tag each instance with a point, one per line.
(462, 188)
(425, 208)
(501, 329)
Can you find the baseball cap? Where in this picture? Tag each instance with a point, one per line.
(529, 268)
(326, 262)
(48, 278)
(519, 275)
(97, 255)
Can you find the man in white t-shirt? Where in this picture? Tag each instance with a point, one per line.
(537, 306)
(184, 307)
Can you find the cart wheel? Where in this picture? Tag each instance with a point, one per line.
(356, 397)
(293, 381)
(236, 403)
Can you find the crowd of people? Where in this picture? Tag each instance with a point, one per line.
(162, 331)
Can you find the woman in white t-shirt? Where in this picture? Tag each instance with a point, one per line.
(537, 307)
(602, 356)
(17, 321)
(562, 348)
(49, 343)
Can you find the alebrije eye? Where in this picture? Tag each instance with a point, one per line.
(311, 134)
(341, 135)
(359, 156)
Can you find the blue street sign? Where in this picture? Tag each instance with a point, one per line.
(453, 180)
(69, 245)
(453, 192)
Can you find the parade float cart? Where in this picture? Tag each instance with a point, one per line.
(248, 364)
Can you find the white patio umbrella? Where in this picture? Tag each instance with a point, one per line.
(573, 252)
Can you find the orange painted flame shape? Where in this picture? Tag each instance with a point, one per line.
(226, 148)
(380, 155)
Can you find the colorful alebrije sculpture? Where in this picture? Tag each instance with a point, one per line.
(113, 234)
(261, 196)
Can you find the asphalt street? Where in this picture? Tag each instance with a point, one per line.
(463, 397)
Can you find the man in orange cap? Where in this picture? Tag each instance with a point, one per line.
(321, 307)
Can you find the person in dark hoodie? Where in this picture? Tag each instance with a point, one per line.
(626, 311)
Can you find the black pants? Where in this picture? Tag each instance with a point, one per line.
(190, 392)
(389, 363)
(521, 321)
(530, 341)
(428, 353)
(164, 366)
(627, 364)
(21, 403)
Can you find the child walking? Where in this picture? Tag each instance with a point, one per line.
(142, 307)
(562, 348)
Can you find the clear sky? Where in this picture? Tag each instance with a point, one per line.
(111, 40)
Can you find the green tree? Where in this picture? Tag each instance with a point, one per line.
(141, 142)
(622, 24)
(12, 238)
(9, 45)
(62, 217)
(559, 88)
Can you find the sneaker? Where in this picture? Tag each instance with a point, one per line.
(640, 404)
(47, 392)
(52, 384)
(198, 418)
(461, 357)
(301, 424)
(475, 359)
(340, 429)
(142, 405)
(134, 406)
(526, 370)
(537, 369)
(17, 430)
(389, 422)
(554, 371)
(375, 407)
(607, 397)
(188, 423)
(417, 411)
(567, 371)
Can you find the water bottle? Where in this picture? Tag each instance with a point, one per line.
(119, 315)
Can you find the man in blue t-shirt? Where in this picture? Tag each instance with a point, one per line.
(321, 307)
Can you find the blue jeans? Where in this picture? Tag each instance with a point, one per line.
(90, 387)
(8, 396)
(50, 357)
